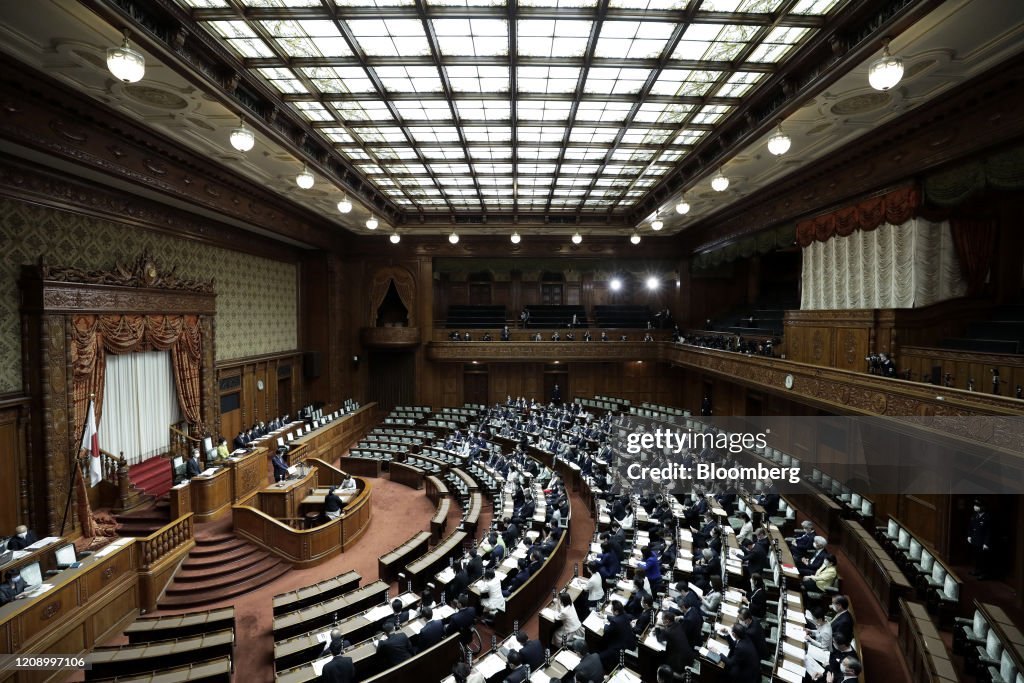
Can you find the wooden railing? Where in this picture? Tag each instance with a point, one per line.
(164, 541)
(182, 444)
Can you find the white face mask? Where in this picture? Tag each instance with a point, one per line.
(977, 509)
(23, 534)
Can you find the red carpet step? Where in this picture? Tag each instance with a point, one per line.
(219, 567)
(145, 521)
(153, 476)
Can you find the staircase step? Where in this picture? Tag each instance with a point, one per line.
(195, 578)
(214, 559)
(194, 598)
(138, 530)
(205, 539)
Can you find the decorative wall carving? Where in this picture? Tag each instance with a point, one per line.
(146, 271)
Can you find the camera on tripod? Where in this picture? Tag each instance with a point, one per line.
(880, 364)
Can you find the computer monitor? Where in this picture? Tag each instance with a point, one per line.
(66, 556)
(31, 575)
(207, 444)
(280, 441)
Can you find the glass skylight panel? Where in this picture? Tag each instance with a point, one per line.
(453, 153)
(537, 153)
(814, 6)
(777, 43)
(337, 134)
(307, 38)
(472, 37)
(490, 153)
(241, 38)
(280, 3)
(537, 169)
(483, 110)
(574, 170)
(356, 153)
(487, 167)
(633, 39)
(714, 42)
(410, 79)
(710, 114)
(655, 170)
(688, 137)
(314, 111)
(393, 152)
(204, 3)
(615, 81)
(744, 6)
(478, 78)
(492, 134)
(739, 84)
(669, 157)
(547, 79)
(420, 110)
(339, 79)
(542, 110)
(283, 80)
(362, 110)
(684, 83)
(586, 153)
(583, 134)
(372, 3)
(606, 112)
(631, 155)
(434, 133)
(649, 4)
(541, 133)
(552, 37)
(382, 134)
(656, 112)
(644, 136)
(370, 169)
(466, 3)
(391, 38)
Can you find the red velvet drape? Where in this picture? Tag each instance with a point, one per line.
(975, 243)
(93, 336)
(895, 207)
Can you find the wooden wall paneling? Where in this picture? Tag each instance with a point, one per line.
(12, 463)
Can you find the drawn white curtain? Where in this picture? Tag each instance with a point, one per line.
(139, 404)
(894, 266)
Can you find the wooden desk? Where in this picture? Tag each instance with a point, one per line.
(476, 506)
(323, 614)
(439, 522)
(150, 629)
(925, 653)
(882, 575)
(281, 500)
(110, 662)
(389, 563)
(317, 593)
(211, 495)
(537, 589)
(406, 474)
(331, 440)
(421, 571)
(249, 473)
(436, 489)
(361, 467)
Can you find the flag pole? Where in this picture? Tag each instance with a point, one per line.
(77, 464)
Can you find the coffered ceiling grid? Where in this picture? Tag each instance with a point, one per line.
(540, 106)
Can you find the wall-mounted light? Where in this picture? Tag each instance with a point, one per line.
(885, 72)
(779, 142)
(653, 283)
(127, 65)
(242, 138)
(615, 284)
(719, 183)
(305, 178)
(453, 238)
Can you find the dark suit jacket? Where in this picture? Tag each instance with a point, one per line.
(678, 652)
(756, 635)
(396, 648)
(431, 634)
(590, 669)
(461, 620)
(618, 636)
(532, 654)
(758, 603)
(517, 675)
(843, 624)
(192, 468)
(16, 543)
(339, 670)
(742, 665)
(756, 560)
(693, 622)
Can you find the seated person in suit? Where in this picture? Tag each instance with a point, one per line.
(618, 636)
(332, 504)
(742, 665)
(433, 630)
(803, 541)
(590, 669)
(222, 448)
(280, 465)
(757, 599)
(12, 587)
(395, 646)
(672, 632)
(461, 671)
(349, 484)
(340, 669)
(399, 615)
(463, 619)
(22, 538)
(242, 440)
(754, 632)
(842, 622)
(824, 578)
(517, 672)
(531, 652)
(192, 467)
(808, 565)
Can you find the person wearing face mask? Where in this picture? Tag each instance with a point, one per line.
(757, 599)
(842, 622)
(825, 577)
(22, 538)
(979, 537)
(849, 670)
(12, 587)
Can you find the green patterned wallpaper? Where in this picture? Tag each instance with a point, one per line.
(256, 297)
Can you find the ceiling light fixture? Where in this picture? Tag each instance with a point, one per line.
(635, 238)
(615, 284)
(886, 71)
(127, 65)
(657, 224)
(719, 183)
(779, 142)
(683, 207)
(344, 206)
(305, 178)
(395, 238)
(372, 223)
(653, 283)
(242, 138)
(577, 238)
(453, 238)
(515, 238)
